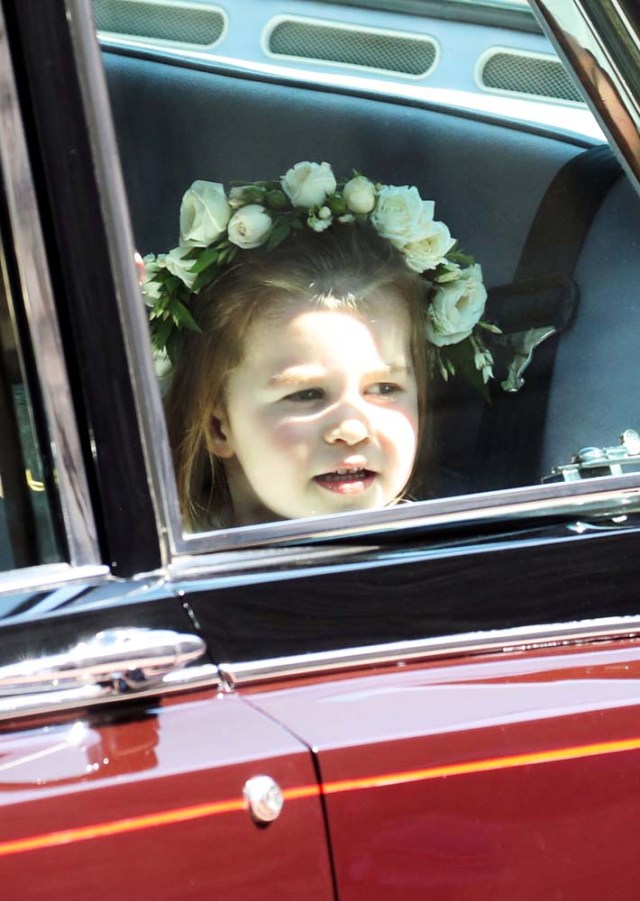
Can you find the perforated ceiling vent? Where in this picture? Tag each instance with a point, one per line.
(512, 72)
(179, 23)
(351, 46)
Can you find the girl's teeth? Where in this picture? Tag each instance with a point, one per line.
(342, 473)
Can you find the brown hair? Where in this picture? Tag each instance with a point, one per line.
(336, 269)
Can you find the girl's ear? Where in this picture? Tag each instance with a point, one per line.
(218, 435)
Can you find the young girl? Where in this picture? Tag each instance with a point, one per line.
(300, 376)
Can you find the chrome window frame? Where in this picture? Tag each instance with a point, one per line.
(571, 27)
(604, 496)
(37, 299)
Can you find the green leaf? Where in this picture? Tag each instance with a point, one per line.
(461, 356)
(173, 346)
(227, 254)
(463, 259)
(206, 258)
(281, 229)
(183, 317)
(161, 330)
(205, 278)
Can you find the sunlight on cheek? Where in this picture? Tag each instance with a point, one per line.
(294, 436)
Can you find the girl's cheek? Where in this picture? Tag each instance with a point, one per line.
(289, 432)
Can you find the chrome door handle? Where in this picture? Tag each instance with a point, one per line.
(119, 660)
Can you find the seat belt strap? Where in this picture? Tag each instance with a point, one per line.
(543, 297)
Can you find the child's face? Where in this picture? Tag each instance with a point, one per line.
(322, 414)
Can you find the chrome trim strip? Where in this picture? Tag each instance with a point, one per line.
(235, 565)
(121, 245)
(602, 497)
(566, 120)
(40, 310)
(51, 576)
(606, 77)
(52, 702)
(471, 643)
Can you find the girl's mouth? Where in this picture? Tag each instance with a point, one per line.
(346, 481)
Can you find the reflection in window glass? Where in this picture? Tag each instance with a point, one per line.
(26, 530)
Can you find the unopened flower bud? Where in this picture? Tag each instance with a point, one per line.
(337, 205)
(276, 200)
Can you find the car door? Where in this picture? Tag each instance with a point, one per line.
(170, 795)
(443, 694)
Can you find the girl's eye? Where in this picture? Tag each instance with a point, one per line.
(385, 389)
(306, 395)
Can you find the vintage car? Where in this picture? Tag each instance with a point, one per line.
(433, 700)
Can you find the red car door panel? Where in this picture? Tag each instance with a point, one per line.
(514, 777)
(149, 804)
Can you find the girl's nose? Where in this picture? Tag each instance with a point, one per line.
(350, 431)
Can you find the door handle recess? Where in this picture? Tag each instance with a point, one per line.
(119, 660)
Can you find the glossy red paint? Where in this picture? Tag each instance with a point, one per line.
(150, 806)
(512, 777)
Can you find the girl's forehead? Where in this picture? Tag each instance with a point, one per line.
(385, 304)
(376, 333)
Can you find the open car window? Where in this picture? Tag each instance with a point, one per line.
(547, 422)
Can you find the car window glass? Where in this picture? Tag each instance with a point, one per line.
(515, 390)
(26, 531)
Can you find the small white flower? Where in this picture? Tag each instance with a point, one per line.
(153, 263)
(237, 197)
(401, 215)
(151, 291)
(162, 363)
(451, 273)
(456, 308)
(249, 226)
(348, 217)
(204, 214)
(309, 184)
(318, 225)
(324, 213)
(177, 265)
(482, 359)
(359, 194)
(431, 250)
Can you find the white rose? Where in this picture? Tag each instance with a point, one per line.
(249, 226)
(359, 194)
(401, 215)
(431, 250)
(309, 184)
(456, 308)
(177, 265)
(204, 214)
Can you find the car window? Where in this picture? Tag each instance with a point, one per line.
(525, 203)
(46, 521)
(27, 536)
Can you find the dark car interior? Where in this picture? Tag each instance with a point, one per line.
(577, 271)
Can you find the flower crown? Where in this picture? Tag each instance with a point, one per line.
(214, 226)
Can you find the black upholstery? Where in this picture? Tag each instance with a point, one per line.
(176, 125)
